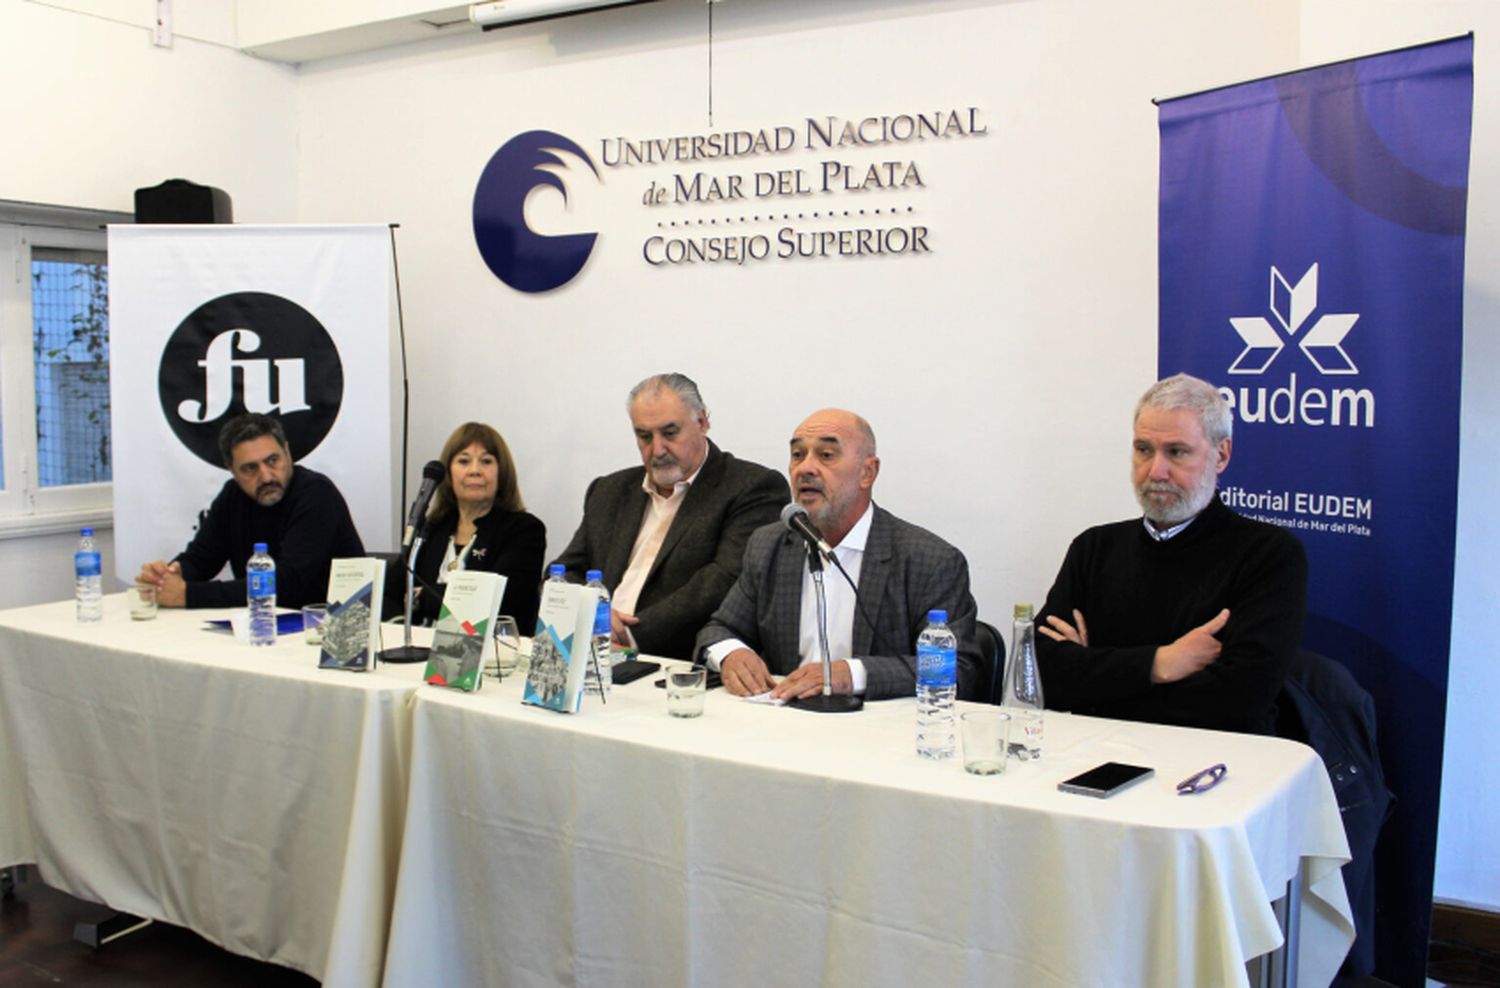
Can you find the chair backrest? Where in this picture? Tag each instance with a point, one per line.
(992, 661)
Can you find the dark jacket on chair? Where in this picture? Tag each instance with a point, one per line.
(1324, 706)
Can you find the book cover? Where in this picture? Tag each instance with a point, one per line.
(461, 640)
(351, 635)
(560, 647)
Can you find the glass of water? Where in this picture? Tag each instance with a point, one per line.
(507, 646)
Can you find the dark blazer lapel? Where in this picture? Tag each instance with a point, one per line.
(874, 574)
(786, 606)
(694, 503)
(626, 527)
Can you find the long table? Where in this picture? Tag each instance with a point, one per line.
(175, 774)
(759, 845)
(268, 805)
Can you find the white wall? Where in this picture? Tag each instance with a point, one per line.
(94, 111)
(1033, 319)
(1468, 862)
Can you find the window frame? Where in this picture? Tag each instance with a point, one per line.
(26, 508)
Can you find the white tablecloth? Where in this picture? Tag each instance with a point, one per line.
(763, 846)
(172, 773)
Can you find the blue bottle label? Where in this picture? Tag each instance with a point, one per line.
(937, 667)
(86, 564)
(601, 618)
(262, 584)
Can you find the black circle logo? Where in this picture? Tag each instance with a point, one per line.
(250, 352)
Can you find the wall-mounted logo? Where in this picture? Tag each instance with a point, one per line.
(519, 256)
(250, 352)
(1292, 306)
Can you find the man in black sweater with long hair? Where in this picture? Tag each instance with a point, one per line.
(1190, 615)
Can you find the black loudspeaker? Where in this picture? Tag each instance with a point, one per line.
(179, 201)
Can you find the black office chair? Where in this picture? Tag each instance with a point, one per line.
(991, 662)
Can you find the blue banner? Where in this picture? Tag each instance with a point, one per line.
(1311, 265)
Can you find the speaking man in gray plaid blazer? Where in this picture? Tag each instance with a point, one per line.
(767, 623)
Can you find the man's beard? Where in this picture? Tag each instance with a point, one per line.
(267, 495)
(665, 471)
(1187, 504)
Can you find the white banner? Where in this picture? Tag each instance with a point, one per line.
(208, 322)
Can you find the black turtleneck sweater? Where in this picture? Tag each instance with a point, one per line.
(1137, 594)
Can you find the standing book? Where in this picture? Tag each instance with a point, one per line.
(560, 647)
(351, 635)
(463, 639)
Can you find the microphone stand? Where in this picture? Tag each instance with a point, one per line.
(408, 652)
(826, 702)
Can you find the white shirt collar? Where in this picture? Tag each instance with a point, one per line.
(856, 537)
(1161, 535)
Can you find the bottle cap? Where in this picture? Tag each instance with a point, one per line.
(556, 569)
(260, 547)
(1025, 612)
(937, 617)
(593, 575)
(86, 532)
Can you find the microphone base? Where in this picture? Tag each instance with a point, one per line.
(834, 703)
(406, 654)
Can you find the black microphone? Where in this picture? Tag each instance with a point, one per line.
(794, 517)
(432, 475)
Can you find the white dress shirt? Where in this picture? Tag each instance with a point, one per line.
(656, 520)
(842, 608)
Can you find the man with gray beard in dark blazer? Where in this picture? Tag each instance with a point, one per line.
(669, 539)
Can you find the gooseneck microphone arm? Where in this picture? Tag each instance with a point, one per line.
(416, 525)
(794, 517)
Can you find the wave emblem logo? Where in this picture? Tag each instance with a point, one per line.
(519, 256)
(1291, 306)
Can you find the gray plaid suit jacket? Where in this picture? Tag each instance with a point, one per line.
(700, 556)
(906, 572)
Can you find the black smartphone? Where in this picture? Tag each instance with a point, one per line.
(1105, 780)
(631, 670)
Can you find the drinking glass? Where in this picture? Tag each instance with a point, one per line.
(685, 689)
(507, 646)
(313, 616)
(985, 736)
(142, 600)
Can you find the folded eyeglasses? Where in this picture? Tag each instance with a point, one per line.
(1203, 781)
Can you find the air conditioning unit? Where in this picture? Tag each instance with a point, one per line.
(500, 13)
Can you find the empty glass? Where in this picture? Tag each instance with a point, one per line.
(507, 646)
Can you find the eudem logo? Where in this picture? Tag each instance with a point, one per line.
(1292, 307)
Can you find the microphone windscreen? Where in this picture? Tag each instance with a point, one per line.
(791, 511)
(434, 470)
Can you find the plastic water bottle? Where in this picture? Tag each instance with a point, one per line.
(555, 573)
(260, 590)
(937, 687)
(88, 586)
(1023, 688)
(598, 680)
